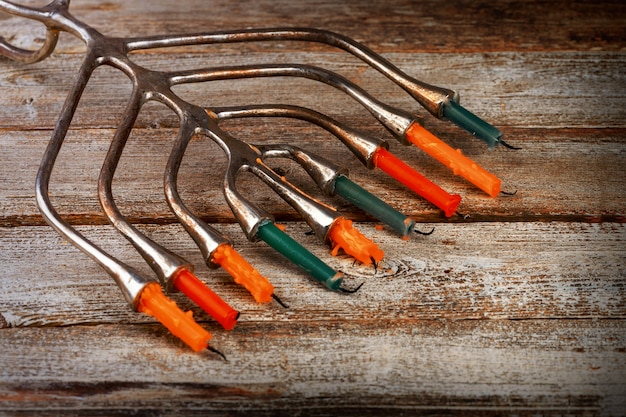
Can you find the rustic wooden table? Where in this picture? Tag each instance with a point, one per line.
(519, 309)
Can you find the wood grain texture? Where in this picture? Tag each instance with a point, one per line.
(519, 309)
(479, 270)
(405, 25)
(512, 89)
(559, 175)
(329, 368)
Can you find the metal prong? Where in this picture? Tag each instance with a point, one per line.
(508, 193)
(506, 145)
(279, 301)
(425, 233)
(348, 291)
(464, 216)
(374, 263)
(212, 349)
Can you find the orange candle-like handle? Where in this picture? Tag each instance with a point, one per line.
(453, 159)
(243, 273)
(343, 236)
(192, 287)
(393, 166)
(182, 325)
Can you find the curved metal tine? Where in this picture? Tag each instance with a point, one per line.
(317, 215)
(42, 15)
(429, 96)
(244, 157)
(361, 145)
(30, 57)
(322, 171)
(249, 216)
(163, 262)
(129, 281)
(397, 121)
(302, 34)
(206, 237)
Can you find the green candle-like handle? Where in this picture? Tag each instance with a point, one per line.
(373, 205)
(467, 120)
(297, 254)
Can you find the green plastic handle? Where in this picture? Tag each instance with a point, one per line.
(374, 206)
(467, 120)
(297, 254)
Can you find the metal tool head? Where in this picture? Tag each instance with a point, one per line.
(154, 85)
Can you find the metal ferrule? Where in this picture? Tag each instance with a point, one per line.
(360, 144)
(432, 98)
(321, 170)
(132, 284)
(249, 216)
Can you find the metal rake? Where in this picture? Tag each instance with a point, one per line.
(172, 271)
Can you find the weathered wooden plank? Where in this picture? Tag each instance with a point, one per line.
(559, 174)
(486, 316)
(342, 367)
(398, 24)
(476, 270)
(533, 89)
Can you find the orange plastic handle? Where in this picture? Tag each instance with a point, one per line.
(393, 166)
(199, 293)
(243, 273)
(182, 325)
(454, 159)
(343, 236)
